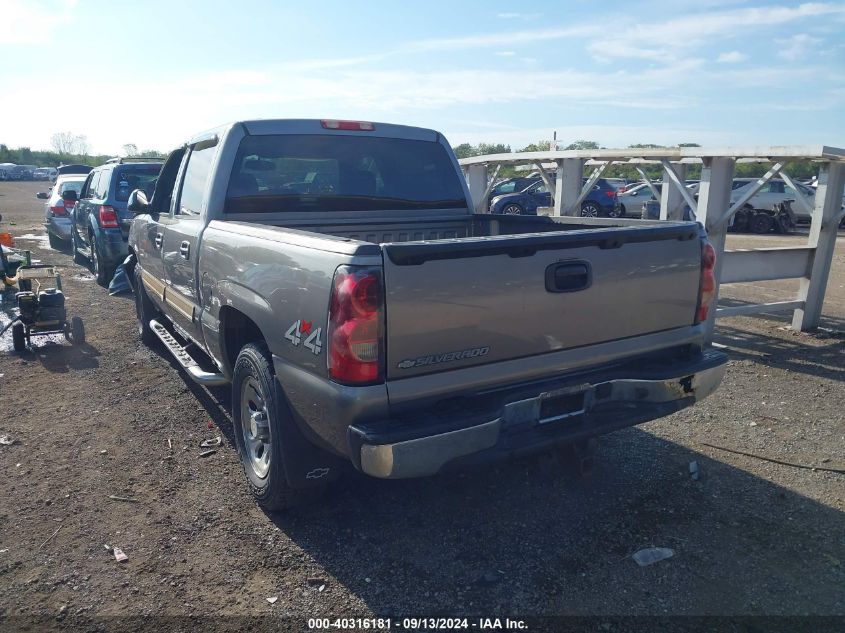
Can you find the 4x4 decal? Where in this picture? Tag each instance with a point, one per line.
(300, 328)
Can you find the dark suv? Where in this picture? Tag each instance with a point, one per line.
(100, 219)
(600, 201)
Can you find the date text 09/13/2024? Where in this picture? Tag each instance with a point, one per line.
(437, 624)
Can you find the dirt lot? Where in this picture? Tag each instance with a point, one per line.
(526, 538)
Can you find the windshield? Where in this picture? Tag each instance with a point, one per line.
(291, 172)
(132, 177)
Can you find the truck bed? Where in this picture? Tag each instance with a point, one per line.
(377, 231)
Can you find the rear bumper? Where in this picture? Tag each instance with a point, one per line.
(113, 246)
(532, 418)
(60, 227)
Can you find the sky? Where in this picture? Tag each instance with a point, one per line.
(154, 73)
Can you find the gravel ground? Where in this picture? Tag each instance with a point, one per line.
(526, 538)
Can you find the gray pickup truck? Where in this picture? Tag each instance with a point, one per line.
(334, 273)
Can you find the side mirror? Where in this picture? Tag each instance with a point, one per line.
(42, 195)
(138, 203)
(70, 196)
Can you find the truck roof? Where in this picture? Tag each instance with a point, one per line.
(317, 126)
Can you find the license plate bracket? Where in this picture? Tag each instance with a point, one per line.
(564, 403)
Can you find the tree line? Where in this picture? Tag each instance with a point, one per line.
(67, 147)
(800, 169)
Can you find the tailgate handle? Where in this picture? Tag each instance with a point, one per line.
(568, 276)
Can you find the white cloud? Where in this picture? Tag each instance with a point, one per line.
(503, 39)
(797, 47)
(33, 22)
(199, 102)
(648, 39)
(505, 53)
(678, 35)
(515, 15)
(732, 57)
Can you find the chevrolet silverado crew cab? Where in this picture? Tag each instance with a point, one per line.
(335, 275)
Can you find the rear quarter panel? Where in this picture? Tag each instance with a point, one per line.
(275, 277)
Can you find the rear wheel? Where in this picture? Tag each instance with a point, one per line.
(761, 222)
(55, 242)
(98, 267)
(258, 411)
(18, 338)
(741, 220)
(590, 210)
(77, 331)
(74, 241)
(145, 310)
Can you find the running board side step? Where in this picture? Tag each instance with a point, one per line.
(197, 374)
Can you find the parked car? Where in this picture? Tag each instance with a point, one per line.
(631, 200)
(45, 173)
(73, 169)
(58, 208)
(100, 219)
(601, 201)
(618, 183)
(6, 171)
(379, 321)
(513, 185)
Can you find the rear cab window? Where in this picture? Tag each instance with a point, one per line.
(305, 172)
(130, 177)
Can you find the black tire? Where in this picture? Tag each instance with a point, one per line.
(145, 310)
(254, 369)
(784, 225)
(18, 338)
(590, 209)
(512, 209)
(98, 266)
(55, 242)
(616, 212)
(741, 218)
(761, 223)
(74, 244)
(77, 331)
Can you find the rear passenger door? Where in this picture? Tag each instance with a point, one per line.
(181, 236)
(150, 227)
(83, 208)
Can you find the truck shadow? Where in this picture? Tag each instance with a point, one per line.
(818, 353)
(533, 537)
(530, 537)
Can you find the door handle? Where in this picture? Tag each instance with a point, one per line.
(158, 239)
(185, 249)
(569, 276)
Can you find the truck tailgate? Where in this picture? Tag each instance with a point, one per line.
(457, 303)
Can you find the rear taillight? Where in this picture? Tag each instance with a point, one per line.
(360, 126)
(108, 217)
(59, 209)
(355, 326)
(707, 284)
(610, 194)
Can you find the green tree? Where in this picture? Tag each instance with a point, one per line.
(583, 145)
(539, 146)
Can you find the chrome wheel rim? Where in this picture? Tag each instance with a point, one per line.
(255, 426)
(511, 209)
(589, 211)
